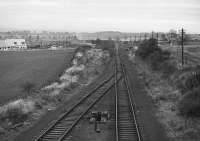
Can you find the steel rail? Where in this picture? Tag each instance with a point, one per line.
(116, 102)
(131, 102)
(72, 108)
(79, 118)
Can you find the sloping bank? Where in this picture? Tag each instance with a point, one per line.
(86, 65)
(175, 91)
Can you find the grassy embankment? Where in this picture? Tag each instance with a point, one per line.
(86, 65)
(174, 90)
(22, 75)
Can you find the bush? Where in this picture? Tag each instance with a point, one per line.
(73, 85)
(17, 111)
(16, 115)
(28, 87)
(156, 57)
(189, 105)
(146, 48)
(186, 80)
(79, 73)
(48, 98)
(106, 45)
(167, 68)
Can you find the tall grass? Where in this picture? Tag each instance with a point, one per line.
(17, 111)
(189, 105)
(159, 60)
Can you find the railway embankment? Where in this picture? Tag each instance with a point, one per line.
(19, 115)
(174, 90)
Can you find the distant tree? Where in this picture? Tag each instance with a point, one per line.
(29, 37)
(186, 37)
(163, 37)
(38, 37)
(109, 38)
(146, 48)
(98, 41)
(117, 38)
(172, 36)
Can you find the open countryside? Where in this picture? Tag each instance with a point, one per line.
(100, 70)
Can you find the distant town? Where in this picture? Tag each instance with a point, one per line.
(17, 40)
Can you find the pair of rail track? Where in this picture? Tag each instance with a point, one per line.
(127, 128)
(126, 123)
(60, 129)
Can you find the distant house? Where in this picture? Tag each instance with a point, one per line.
(75, 41)
(2, 44)
(13, 44)
(88, 44)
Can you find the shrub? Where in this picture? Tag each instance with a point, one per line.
(155, 59)
(48, 98)
(16, 115)
(83, 48)
(73, 85)
(106, 45)
(191, 83)
(146, 48)
(38, 104)
(189, 105)
(186, 80)
(79, 73)
(158, 59)
(167, 68)
(28, 87)
(17, 111)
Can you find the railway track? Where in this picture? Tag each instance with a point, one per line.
(126, 125)
(61, 128)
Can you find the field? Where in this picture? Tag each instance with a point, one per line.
(191, 53)
(38, 67)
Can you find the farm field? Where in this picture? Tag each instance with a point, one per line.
(191, 53)
(38, 67)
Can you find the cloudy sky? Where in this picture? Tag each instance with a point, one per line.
(100, 15)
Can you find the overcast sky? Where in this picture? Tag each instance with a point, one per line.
(101, 15)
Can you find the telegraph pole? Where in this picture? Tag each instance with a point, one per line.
(157, 38)
(131, 41)
(152, 34)
(170, 41)
(182, 47)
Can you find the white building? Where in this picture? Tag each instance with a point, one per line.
(13, 44)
